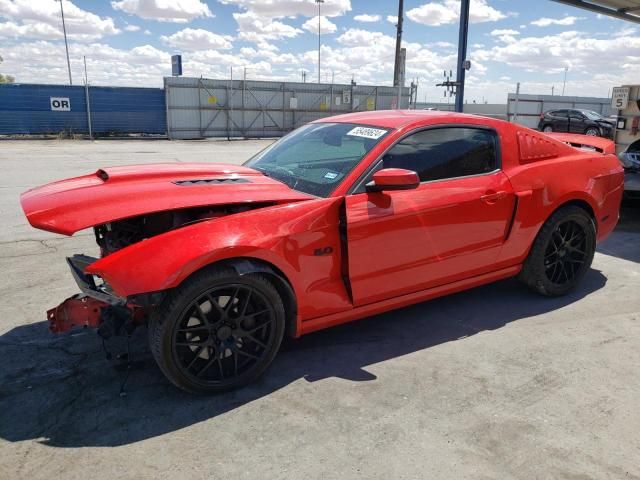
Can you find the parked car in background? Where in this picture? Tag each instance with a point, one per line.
(586, 122)
(630, 159)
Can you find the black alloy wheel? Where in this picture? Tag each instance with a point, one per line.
(218, 331)
(566, 253)
(224, 333)
(561, 253)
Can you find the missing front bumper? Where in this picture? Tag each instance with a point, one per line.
(95, 307)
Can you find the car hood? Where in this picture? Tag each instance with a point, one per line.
(111, 194)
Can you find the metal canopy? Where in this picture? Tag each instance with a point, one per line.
(628, 10)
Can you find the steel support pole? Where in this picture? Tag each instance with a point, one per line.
(66, 45)
(86, 94)
(319, 2)
(396, 66)
(462, 53)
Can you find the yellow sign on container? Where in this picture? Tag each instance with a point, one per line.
(212, 99)
(371, 103)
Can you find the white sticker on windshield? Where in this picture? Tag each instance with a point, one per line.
(331, 175)
(367, 132)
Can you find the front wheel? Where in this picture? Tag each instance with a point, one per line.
(593, 132)
(561, 253)
(217, 331)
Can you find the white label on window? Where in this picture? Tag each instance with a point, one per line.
(331, 175)
(366, 132)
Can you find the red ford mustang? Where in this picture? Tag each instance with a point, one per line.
(343, 218)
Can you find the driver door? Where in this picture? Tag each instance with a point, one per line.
(450, 228)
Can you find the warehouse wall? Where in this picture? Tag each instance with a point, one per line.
(27, 109)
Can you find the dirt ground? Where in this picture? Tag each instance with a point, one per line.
(492, 383)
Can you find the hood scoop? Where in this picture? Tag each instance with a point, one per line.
(213, 181)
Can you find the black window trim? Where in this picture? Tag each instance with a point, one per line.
(362, 179)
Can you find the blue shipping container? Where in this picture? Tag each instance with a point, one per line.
(33, 109)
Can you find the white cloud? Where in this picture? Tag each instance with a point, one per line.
(254, 28)
(545, 22)
(501, 32)
(291, 8)
(356, 37)
(441, 44)
(326, 26)
(45, 62)
(447, 12)
(551, 53)
(132, 28)
(365, 18)
(177, 11)
(40, 19)
(505, 35)
(197, 39)
(392, 19)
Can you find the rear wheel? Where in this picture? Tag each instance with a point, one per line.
(592, 132)
(547, 128)
(218, 331)
(562, 252)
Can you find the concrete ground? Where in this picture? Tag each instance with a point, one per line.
(493, 383)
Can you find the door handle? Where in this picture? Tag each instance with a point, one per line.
(493, 197)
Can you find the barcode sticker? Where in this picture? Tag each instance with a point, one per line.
(367, 132)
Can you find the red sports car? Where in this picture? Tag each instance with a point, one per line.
(343, 218)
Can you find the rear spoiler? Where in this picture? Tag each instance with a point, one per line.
(602, 145)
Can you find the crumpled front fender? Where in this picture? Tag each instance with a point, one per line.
(287, 237)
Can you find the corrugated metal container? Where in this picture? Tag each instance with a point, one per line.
(26, 109)
(29, 109)
(199, 107)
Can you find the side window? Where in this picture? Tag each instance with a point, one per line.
(560, 113)
(445, 153)
(576, 115)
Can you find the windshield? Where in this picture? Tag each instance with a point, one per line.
(591, 115)
(317, 157)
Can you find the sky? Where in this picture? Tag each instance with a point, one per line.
(130, 42)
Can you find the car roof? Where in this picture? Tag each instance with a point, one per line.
(398, 118)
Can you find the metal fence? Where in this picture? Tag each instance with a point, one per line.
(526, 109)
(200, 108)
(51, 109)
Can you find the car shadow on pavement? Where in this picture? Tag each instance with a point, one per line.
(62, 391)
(623, 242)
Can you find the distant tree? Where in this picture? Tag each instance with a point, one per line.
(6, 78)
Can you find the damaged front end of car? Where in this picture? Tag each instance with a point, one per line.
(126, 206)
(97, 306)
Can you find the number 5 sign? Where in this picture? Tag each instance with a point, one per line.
(620, 98)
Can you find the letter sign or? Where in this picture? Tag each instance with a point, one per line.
(60, 104)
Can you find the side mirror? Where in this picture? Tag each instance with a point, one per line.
(393, 179)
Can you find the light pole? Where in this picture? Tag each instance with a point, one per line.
(564, 83)
(66, 45)
(319, 2)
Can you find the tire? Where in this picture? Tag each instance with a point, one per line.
(217, 331)
(593, 132)
(561, 253)
(547, 128)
